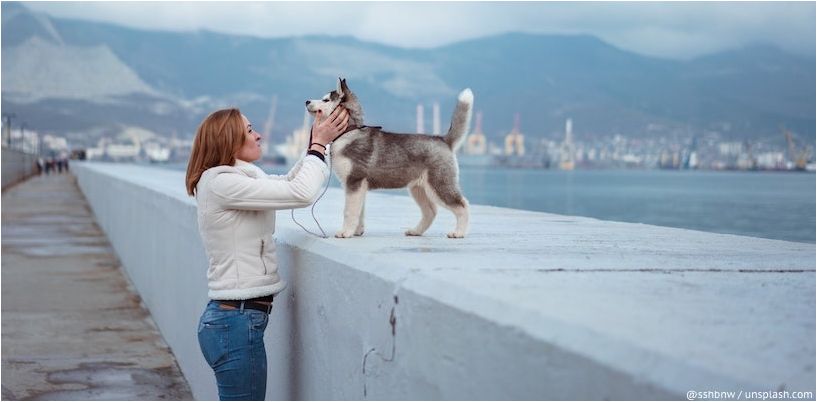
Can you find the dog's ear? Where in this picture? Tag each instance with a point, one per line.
(341, 86)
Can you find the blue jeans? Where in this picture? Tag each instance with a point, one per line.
(232, 342)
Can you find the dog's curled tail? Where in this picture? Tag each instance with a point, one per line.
(461, 120)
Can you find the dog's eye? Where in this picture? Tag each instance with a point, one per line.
(326, 100)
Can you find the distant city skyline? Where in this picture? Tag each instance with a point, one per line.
(668, 30)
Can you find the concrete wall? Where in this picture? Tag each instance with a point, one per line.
(529, 306)
(17, 166)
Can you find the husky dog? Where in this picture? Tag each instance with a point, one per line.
(368, 158)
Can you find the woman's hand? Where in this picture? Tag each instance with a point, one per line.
(326, 129)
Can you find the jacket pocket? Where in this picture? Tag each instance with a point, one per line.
(264, 263)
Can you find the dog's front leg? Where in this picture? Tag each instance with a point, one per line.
(355, 197)
(360, 229)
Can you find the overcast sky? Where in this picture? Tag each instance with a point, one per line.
(673, 30)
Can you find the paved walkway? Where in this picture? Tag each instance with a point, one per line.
(72, 328)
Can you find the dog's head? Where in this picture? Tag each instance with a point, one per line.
(341, 96)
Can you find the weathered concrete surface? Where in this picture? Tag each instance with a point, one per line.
(72, 328)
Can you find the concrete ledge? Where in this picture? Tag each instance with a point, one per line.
(529, 306)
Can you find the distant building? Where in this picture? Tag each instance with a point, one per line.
(771, 161)
(420, 119)
(435, 118)
(268, 125)
(693, 160)
(568, 150)
(119, 152)
(730, 148)
(155, 152)
(296, 143)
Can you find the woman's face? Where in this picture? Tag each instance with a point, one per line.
(251, 150)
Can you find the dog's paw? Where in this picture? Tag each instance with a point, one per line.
(456, 235)
(412, 232)
(359, 232)
(344, 234)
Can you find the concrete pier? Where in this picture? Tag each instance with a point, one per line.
(528, 306)
(72, 326)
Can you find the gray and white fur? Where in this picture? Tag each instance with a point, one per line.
(369, 158)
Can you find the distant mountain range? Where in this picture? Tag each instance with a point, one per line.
(82, 79)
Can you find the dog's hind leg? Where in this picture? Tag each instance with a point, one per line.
(355, 197)
(460, 210)
(448, 195)
(427, 207)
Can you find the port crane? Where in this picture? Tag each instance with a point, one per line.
(515, 141)
(800, 159)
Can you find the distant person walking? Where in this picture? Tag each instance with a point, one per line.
(62, 162)
(236, 203)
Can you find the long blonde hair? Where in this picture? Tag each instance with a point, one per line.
(218, 139)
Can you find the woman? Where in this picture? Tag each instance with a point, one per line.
(236, 204)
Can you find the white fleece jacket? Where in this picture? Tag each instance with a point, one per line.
(236, 216)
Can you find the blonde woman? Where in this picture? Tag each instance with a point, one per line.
(236, 204)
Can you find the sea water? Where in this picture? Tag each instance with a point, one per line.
(774, 205)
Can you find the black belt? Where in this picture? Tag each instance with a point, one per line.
(247, 304)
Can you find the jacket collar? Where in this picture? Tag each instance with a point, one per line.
(249, 169)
